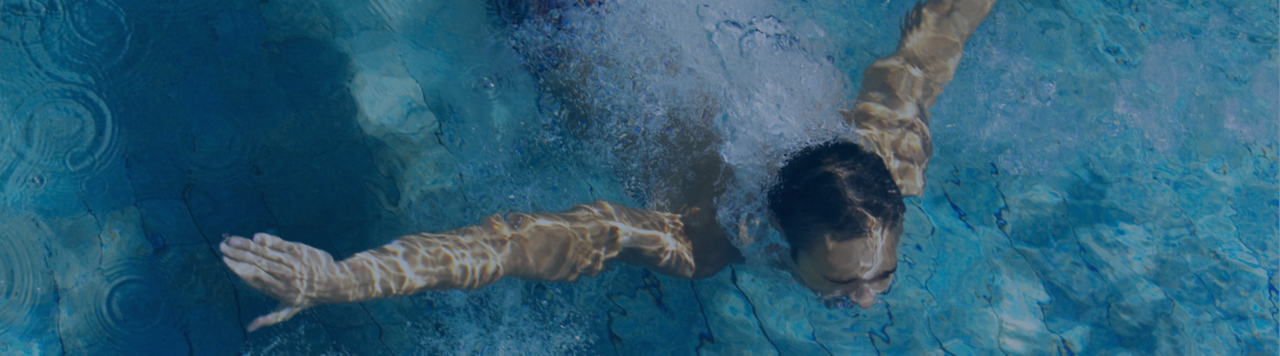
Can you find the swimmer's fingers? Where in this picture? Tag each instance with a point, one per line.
(959, 17)
(281, 314)
(261, 280)
(291, 272)
(283, 271)
(241, 250)
(276, 244)
(303, 259)
(245, 250)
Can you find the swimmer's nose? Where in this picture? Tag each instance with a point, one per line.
(865, 302)
(864, 296)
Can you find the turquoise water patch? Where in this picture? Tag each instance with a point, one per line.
(1104, 178)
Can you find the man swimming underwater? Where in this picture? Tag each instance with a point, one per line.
(838, 204)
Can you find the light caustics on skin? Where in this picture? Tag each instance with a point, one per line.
(859, 268)
(891, 118)
(892, 113)
(876, 244)
(876, 264)
(549, 247)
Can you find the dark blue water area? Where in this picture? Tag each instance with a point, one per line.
(1105, 177)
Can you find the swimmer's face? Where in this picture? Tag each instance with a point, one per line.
(859, 268)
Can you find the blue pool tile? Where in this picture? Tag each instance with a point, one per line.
(361, 340)
(169, 221)
(1104, 178)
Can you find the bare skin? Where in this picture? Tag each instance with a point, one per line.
(891, 117)
(859, 269)
(540, 247)
(892, 113)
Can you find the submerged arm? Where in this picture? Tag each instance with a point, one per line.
(892, 113)
(544, 247)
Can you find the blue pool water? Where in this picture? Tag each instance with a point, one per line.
(1105, 178)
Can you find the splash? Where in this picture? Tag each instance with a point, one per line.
(770, 87)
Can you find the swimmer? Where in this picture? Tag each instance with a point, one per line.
(838, 204)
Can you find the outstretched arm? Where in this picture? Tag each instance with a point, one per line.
(544, 247)
(892, 113)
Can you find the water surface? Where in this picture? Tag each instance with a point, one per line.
(1105, 178)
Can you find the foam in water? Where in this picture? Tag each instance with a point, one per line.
(1104, 179)
(771, 88)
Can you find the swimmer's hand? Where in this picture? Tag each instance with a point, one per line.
(297, 275)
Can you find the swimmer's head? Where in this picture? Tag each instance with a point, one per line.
(841, 211)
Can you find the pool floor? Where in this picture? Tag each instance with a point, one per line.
(1104, 178)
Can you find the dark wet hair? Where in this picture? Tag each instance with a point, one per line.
(834, 186)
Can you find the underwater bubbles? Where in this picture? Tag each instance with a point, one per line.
(75, 39)
(64, 129)
(22, 275)
(488, 87)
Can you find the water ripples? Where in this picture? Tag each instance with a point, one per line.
(73, 40)
(174, 10)
(7, 157)
(64, 129)
(15, 16)
(135, 308)
(134, 298)
(215, 150)
(22, 275)
(50, 194)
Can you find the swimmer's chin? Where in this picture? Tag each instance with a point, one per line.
(864, 302)
(838, 298)
(843, 301)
